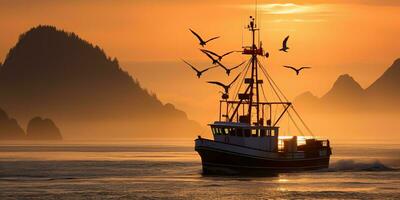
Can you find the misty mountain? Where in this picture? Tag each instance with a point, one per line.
(306, 99)
(347, 95)
(53, 73)
(9, 128)
(39, 129)
(387, 87)
(345, 92)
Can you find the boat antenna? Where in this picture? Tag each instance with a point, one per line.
(255, 13)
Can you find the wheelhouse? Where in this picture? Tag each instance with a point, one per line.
(260, 137)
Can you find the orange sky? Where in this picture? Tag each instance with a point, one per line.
(149, 37)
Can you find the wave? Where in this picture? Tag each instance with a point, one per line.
(352, 165)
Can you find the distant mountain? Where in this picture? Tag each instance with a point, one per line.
(42, 129)
(306, 99)
(346, 94)
(56, 74)
(387, 87)
(9, 128)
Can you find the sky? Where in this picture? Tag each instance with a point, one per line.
(150, 37)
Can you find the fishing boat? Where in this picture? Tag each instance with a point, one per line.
(246, 137)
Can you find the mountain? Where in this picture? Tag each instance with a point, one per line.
(306, 99)
(347, 95)
(347, 111)
(42, 129)
(9, 128)
(387, 86)
(53, 73)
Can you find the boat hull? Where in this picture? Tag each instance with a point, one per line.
(223, 158)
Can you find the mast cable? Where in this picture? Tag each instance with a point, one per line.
(269, 80)
(291, 106)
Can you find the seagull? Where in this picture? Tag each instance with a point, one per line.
(226, 87)
(284, 45)
(215, 54)
(202, 42)
(214, 61)
(199, 73)
(296, 70)
(228, 70)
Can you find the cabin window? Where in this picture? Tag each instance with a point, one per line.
(226, 131)
(272, 133)
(254, 132)
(213, 131)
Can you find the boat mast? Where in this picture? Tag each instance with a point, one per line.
(252, 90)
(254, 74)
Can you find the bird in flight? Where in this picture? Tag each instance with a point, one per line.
(296, 70)
(228, 70)
(199, 72)
(202, 42)
(284, 45)
(214, 61)
(217, 55)
(226, 87)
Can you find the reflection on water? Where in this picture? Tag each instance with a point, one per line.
(147, 170)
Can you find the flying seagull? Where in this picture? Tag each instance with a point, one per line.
(226, 87)
(284, 45)
(199, 73)
(228, 70)
(215, 54)
(296, 70)
(202, 42)
(214, 61)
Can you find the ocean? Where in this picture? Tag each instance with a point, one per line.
(165, 169)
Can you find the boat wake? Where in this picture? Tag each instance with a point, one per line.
(352, 165)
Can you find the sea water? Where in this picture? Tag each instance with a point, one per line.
(161, 169)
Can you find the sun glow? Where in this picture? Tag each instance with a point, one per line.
(287, 8)
(290, 8)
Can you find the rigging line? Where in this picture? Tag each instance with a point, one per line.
(288, 125)
(302, 121)
(237, 89)
(269, 81)
(273, 88)
(297, 114)
(295, 124)
(275, 113)
(262, 89)
(295, 111)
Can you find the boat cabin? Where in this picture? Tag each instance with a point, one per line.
(259, 137)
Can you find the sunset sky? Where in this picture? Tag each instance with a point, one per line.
(149, 37)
